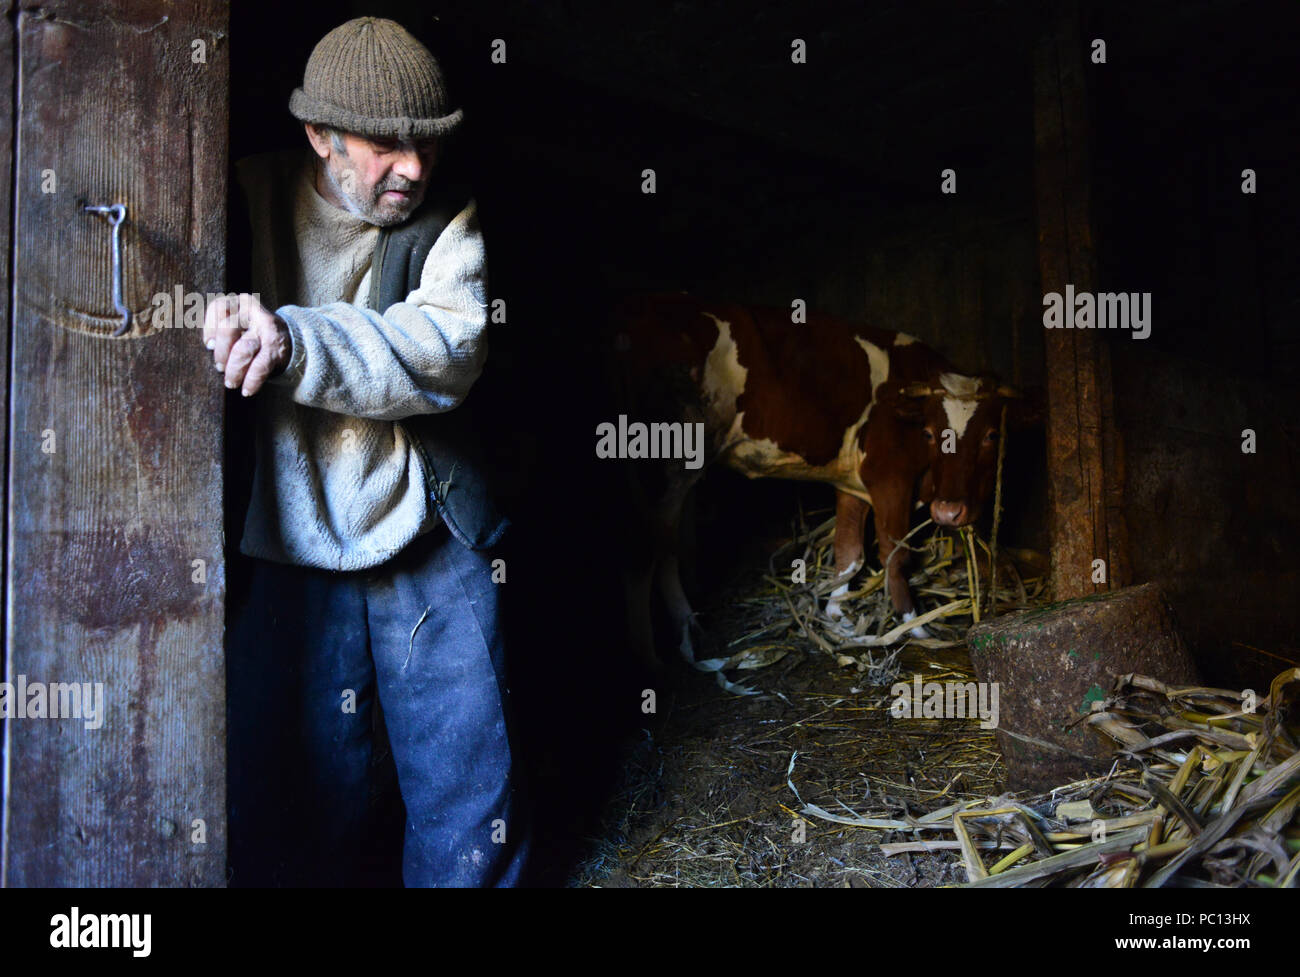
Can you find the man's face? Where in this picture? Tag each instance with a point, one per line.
(379, 180)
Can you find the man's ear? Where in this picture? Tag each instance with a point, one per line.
(320, 142)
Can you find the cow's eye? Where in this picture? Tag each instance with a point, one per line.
(929, 436)
(991, 437)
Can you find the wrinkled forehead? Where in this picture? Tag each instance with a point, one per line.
(963, 403)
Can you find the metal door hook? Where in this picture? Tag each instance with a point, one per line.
(117, 214)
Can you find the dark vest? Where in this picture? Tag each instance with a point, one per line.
(450, 443)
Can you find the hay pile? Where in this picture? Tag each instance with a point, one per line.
(704, 799)
(1198, 798)
(814, 782)
(959, 575)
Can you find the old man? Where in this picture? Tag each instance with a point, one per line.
(372, 588)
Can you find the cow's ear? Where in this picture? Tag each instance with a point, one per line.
(1027, 410)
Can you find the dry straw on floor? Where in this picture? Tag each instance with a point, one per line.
(951, 573)
(1204, 790)
(1198, 795)
(704, 799)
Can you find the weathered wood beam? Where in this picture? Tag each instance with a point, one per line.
(1084, 458)
(8, 78)
(115, 449)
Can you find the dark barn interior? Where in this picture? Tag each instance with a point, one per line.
(944, 170)
(821, 181)
(776, 181)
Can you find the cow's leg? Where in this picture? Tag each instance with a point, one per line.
(668, 561)
(850, 523)
(639, 549)
(637, 587)
(893, 506)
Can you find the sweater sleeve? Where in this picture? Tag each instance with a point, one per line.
(420, 356)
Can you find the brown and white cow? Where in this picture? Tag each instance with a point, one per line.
(866, 410)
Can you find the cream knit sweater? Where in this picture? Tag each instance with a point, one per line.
(337, 483)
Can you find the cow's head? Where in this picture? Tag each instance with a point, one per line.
(959, 421)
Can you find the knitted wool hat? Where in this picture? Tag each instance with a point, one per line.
(371, 77)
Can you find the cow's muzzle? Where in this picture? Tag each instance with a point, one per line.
(949, 513)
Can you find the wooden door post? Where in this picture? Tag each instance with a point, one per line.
(1084, 456)
(114, 565)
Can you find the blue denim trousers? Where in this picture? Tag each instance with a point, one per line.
(312, 654)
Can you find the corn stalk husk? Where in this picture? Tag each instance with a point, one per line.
(1205, 792)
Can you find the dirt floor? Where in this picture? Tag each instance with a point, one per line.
(705, 799)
